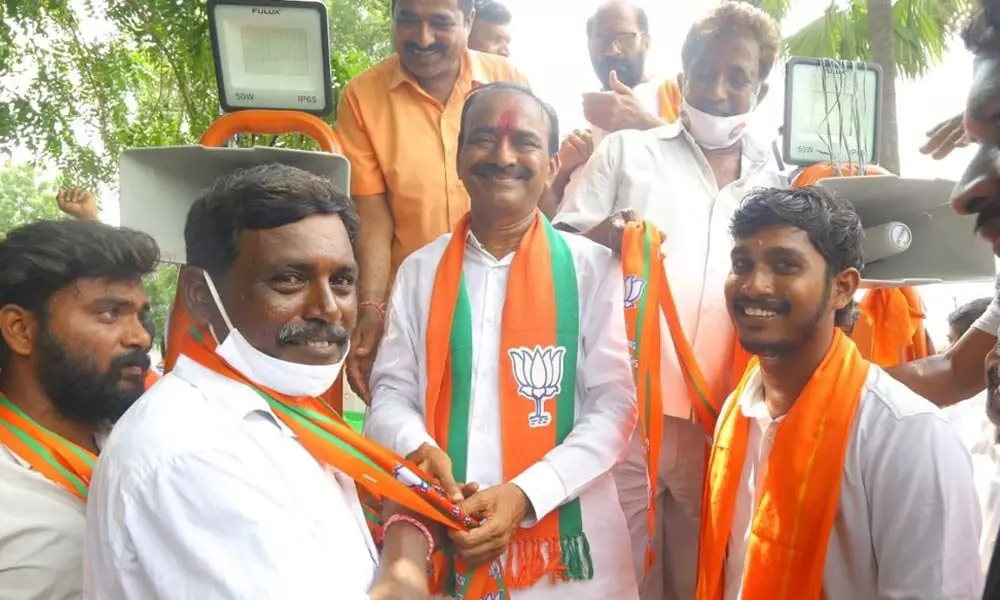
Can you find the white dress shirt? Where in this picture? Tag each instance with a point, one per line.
(41, 535)
(908, 522)
(605, 400)
(201, 493)
(664, 176)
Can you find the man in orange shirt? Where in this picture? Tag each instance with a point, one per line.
(399, 125)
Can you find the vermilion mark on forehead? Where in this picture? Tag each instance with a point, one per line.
(507, 122)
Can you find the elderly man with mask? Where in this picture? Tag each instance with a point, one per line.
(228, 480)
(505, 364)
(687, 178)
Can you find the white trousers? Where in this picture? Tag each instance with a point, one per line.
(678, 518)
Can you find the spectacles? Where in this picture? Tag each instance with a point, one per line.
(625, 42)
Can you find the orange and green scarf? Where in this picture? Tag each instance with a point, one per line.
(331, 441)
(791, 527)
(61, 461)
(539, 342)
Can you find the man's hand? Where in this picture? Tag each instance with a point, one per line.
(618, 109)
(945, 137)
(576, 150)
(78, 203)
(364, 345)
(501, 510)
(437, 464)
(611, 231)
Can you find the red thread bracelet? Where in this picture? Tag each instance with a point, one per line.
(380, 308)
(398, 518)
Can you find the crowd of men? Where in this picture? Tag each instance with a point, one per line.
(473, 286)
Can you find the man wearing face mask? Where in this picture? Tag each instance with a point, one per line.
(72, 360)
(226, 480)
(687, 178)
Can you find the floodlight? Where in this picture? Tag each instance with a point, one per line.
(831, 111)
(271, 54)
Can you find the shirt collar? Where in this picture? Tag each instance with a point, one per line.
(475, 248)
(752, 404)
(231, 396)
(754, 149)
(468, 69)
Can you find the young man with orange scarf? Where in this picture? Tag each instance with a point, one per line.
(72, 360)
(505, 364)
(827, 478)
(230, 478)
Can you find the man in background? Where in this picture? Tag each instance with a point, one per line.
(491, 28)
(406, 186)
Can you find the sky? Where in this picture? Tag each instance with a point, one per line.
(550, 47)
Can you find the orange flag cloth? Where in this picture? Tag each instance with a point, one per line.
(800, 494)
(890, 330)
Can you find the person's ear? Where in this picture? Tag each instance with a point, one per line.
(19, 329)
(196, 297)
(680, 84)
(845, 285)
(469, 20)
(554, 165)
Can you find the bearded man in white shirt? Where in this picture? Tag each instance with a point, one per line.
(687, 179)
(72, 360)
(827, 478)
(505, 364)
(210, 487)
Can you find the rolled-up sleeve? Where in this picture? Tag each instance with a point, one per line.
(396, 416)
(606, 410)
(199, 527)
(590, 197)
(924, 513)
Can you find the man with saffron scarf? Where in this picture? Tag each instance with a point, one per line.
(686, 179)
(827, 478)
(72, 360)
(229, 479)
(505, 364)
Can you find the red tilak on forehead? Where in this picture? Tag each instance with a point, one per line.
(507, 123)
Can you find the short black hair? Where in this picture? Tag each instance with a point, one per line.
(261, 197)
(509, 86)
(964, 316)
(641, 19)
(490, 11)
(831, 223)
(39, 259)
(982, 32)
(464, 5)
(730, 19)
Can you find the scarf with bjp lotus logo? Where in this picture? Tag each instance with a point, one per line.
(539, 340)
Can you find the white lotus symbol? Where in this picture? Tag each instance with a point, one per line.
(539, 374)
(634, 286)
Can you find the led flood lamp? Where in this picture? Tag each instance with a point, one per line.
(271, 54)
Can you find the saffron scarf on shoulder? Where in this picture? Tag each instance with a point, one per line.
(791, 528)
(331, 441)
(539, 341)
(62, 462)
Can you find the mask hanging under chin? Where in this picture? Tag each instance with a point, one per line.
(288, 378)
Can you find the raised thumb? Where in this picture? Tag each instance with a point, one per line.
(618, 86)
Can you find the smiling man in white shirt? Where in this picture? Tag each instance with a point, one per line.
(505, 364)
(687, 179)
(210, 488)
(827, 478)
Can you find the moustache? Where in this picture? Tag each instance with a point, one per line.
(989, 213)
(133, 358)
(313, 331)
(411, 47)
(782, 307)
(490, 170)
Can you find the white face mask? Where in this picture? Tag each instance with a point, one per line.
(291, 379)
(712, 132)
